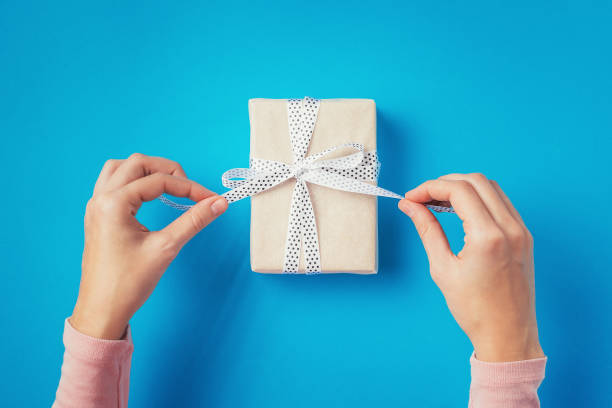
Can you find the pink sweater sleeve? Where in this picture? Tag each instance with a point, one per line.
(95, 372)
(506, 385)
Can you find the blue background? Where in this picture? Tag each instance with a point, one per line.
(518, 90)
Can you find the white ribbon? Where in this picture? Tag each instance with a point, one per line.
(347, 173)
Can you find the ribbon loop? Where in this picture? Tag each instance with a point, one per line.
(236, 177)
(256, 185)
(344, 162)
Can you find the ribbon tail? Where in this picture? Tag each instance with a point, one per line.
(338, 182)
(332, 180)
(170, 203)
(256, 185)
(244, 188)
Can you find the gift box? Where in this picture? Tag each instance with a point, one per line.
(346, 222)
(312, 181)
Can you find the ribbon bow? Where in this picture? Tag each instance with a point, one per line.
(348, 173)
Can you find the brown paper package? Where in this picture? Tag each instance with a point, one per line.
(346, 222)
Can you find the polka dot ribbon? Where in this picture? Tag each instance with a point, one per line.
(350, 173)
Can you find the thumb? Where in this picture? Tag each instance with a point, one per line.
(429, 229)
(196, 218)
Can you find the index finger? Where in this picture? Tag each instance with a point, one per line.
(465, 200)
(138, 165)
(150, 187)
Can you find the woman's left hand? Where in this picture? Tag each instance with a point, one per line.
(123, 261)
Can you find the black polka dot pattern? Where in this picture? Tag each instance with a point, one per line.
(356, 172)
(302, 117)
(302, 233)
(302, 230)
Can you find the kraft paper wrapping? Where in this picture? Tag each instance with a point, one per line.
(346, 222)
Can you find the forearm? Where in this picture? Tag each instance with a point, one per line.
(506, 385)
(95, 372)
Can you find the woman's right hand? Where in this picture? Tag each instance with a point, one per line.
(489, 285)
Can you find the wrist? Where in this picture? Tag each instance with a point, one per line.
(97, 324)
(507, 354)
(508, 348)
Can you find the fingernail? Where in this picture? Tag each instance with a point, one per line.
(406, 207)
(219, 206)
